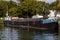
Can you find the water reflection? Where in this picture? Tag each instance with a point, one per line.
(22, 34)
(10, 34)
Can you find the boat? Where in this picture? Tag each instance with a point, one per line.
(34, 23)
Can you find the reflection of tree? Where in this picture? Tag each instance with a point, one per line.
(59, 33)
(1, 30)
(25, 35)
(1, 27)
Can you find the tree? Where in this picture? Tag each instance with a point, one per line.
(26, 8)
(31, 7)
(58, 5)
(45, 10)
(3, 8)
(22, 0)
(12, 8)
(55, 6)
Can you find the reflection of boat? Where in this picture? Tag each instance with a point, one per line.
(34, 22)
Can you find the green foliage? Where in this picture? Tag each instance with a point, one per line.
(12, 4)
(22, 0)
(58, 5)
(12, 8)
(3, 8)
(32, 7)
(53, 6)
(27, 8)
(12, 11)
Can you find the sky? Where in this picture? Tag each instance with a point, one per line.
(48, 1)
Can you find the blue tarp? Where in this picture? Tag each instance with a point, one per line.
(49, 20)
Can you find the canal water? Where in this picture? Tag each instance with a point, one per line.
(8, 33)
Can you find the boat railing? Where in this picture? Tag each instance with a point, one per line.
(23, 19)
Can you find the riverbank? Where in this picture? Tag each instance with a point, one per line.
(59, 28)
(59, 23)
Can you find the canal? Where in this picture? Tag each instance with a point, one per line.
(8, 33)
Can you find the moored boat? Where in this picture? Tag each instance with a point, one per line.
(34, 22)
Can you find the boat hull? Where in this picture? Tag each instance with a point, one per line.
(37, 24)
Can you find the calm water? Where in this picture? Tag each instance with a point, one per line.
(8, 33)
